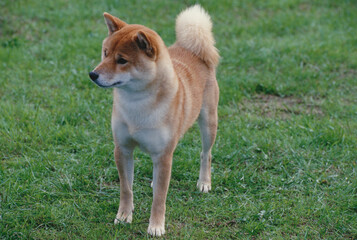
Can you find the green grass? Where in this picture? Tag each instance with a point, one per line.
(285, 157)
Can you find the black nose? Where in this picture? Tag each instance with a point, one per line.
(93, 75)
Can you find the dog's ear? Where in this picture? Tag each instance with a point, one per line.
(113, 23)
(146, 44)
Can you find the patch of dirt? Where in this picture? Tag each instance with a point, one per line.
(347, 73)
(281, 107)
(305, 7)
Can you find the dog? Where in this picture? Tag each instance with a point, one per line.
(159, 92)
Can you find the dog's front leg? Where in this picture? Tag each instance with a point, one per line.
(161, 179)
(125, 166)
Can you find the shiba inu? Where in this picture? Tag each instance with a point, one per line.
(159, 92)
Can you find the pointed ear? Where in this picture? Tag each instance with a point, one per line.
(113, 23)
(145, 44)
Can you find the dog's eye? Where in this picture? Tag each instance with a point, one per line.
(105, 53)
(121, 61)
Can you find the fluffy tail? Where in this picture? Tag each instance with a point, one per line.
(194, 32)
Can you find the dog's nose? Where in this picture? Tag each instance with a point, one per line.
(93, 75)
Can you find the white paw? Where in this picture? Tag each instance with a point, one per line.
(203, 187)
(156, 231)
(123, 217)
(152, 184)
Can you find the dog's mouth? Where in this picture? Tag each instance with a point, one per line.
(116, 84)
(120, 80)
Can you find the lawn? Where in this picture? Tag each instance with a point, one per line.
(285, 159)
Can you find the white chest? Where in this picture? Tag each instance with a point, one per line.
(140, 122)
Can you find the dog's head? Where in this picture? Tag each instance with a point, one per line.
(129, 56)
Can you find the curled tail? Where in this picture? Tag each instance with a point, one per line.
(194, 32)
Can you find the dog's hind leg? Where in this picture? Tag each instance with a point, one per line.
(208, 121)
(125, 165)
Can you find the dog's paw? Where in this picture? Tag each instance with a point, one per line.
(152, 184)
(124, 217)
(156, 231)
(203, 187)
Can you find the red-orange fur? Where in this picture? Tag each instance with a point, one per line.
(174, 87)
